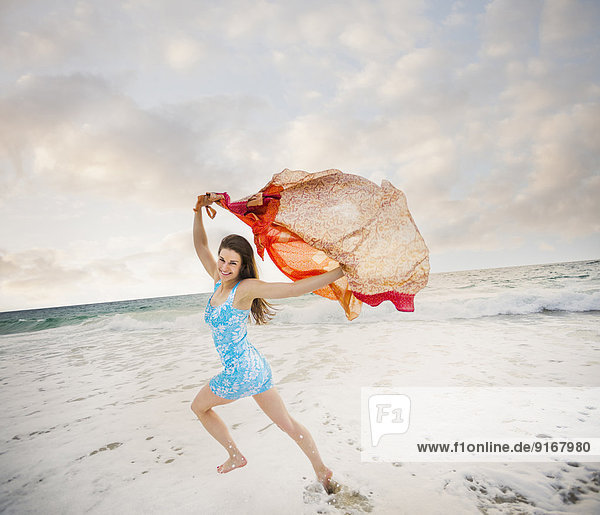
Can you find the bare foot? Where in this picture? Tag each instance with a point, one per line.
(330, 485)
(234, 462)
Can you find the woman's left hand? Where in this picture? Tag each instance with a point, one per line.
(207, 200)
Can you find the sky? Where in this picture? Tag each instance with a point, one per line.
(115, 115)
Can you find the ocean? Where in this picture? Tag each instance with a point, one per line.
(96, 399)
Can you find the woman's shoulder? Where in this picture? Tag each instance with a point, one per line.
(246, 286)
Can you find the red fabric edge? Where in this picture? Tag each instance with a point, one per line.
(402, 301)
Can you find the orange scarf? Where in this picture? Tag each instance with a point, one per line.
(309, 223)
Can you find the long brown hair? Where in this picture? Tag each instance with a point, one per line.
(261, 310)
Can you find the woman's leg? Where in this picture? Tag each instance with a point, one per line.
(202, 406)
(272, 404)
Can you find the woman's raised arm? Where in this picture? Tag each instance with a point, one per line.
(255, 288)
(200, 238)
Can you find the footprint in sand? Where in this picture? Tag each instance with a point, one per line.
(158, 459)
(490, 494)
(107, 447)
(573, 483)
(342, 498)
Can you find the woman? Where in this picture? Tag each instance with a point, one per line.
(237, 293)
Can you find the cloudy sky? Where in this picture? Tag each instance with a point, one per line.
(114, 115)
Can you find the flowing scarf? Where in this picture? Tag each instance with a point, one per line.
(310, 223)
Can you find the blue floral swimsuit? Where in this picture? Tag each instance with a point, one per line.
(246, 371)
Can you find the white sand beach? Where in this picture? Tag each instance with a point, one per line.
(97, 415)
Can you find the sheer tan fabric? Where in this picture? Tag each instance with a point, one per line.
(311, 222)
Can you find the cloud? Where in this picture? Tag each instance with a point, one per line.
(564, 184)
(78, 134)
(45, 276)
(510, 28)
(183, 53)
(59, 37)
(36, 278)
(569, 27)
(549, 183)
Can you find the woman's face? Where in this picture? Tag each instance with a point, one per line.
(229, 264)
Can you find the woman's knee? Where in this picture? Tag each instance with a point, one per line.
(201, 403)
(205, 400)
(289, 426)
(197, 408)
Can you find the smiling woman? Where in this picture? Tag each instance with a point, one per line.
(238, 293)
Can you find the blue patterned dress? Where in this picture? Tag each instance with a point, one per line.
(246, 371)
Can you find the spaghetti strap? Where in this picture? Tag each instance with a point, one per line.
(231, 296)
(234, 288)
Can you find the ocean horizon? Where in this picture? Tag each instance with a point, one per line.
(34, 319)
(12, 310)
